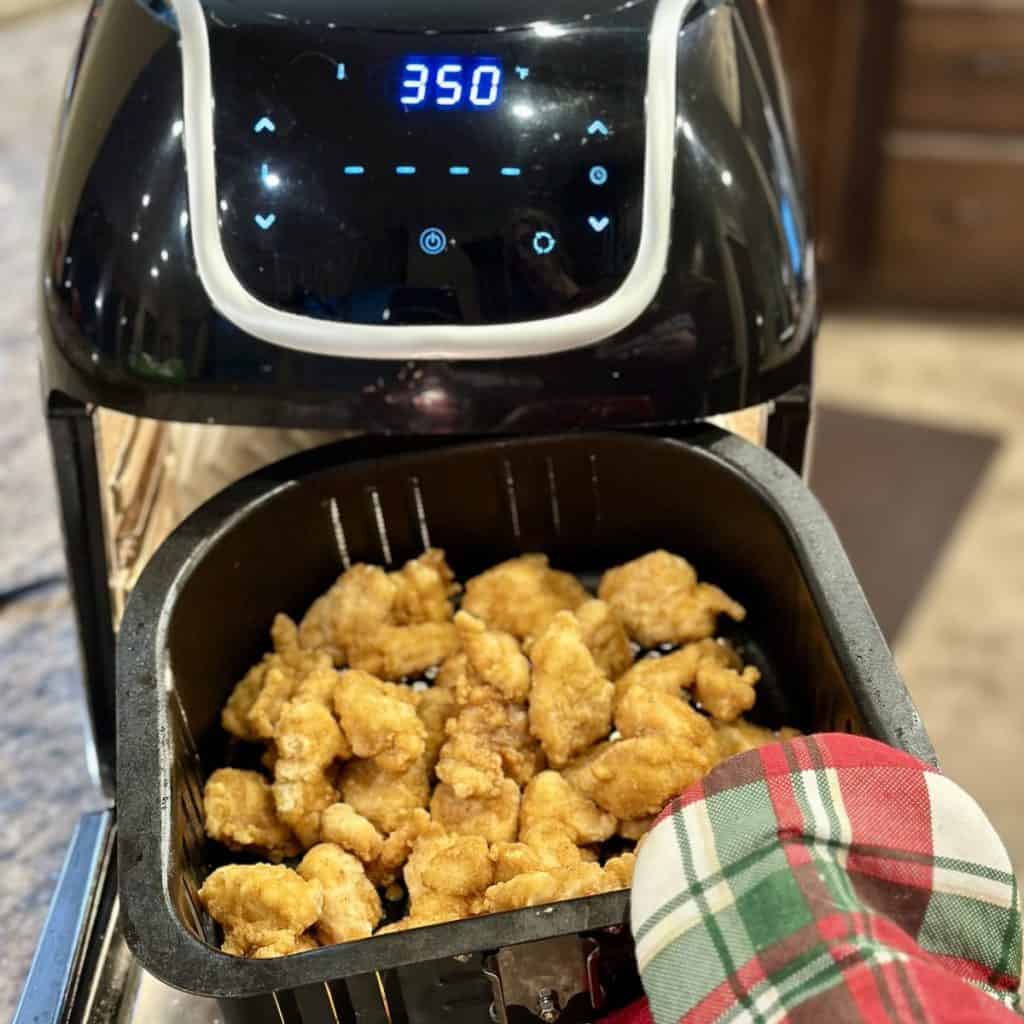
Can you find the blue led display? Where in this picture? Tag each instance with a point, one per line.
(450, 83)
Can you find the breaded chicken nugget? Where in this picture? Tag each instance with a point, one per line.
(384, 798)
(494, 818)
(522, 596)
(424, 588)
(351, 907)
(606, 637)
(571, 699)
(263, 909)
(659, 600)
(240, 813)
(344, 827)
(380, 721)
(402, 652)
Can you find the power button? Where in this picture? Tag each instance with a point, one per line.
(433, 241)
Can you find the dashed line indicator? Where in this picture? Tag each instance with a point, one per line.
(511, 172)
(458, 172)
(355, 169)
(405, 170)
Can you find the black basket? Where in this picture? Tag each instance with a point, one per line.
(201, 611)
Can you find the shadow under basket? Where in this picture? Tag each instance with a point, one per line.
(200, 615)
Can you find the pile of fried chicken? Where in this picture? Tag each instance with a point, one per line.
(540, 736)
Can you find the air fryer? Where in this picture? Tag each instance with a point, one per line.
(519, 258)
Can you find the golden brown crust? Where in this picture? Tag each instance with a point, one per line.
(659, 600)
(240, 813)
(571, 699)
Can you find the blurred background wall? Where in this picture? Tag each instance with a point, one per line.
(912, 119)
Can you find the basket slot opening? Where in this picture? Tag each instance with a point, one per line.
(339, 534)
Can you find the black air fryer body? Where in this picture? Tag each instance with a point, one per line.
(223, 261)
(567, 234)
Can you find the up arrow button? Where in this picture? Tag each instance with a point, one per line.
(597, 128)
(264, 124)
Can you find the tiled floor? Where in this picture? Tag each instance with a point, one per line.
(960, 648)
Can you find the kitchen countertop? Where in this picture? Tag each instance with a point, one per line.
(46, 782)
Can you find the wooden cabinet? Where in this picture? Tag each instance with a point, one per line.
(912, 115)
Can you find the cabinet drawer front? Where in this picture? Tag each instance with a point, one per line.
(951, 224)
(960, 69)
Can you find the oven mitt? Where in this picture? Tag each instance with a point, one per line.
(830, 878)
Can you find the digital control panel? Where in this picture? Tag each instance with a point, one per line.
(410, 178)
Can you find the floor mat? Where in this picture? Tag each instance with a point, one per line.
(895, 490)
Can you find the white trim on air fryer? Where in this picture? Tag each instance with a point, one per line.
(434, 341)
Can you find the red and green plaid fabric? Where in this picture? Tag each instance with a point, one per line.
(830, 878)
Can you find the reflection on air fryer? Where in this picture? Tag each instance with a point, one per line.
(459, 763)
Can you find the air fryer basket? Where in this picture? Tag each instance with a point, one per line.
(201, 611)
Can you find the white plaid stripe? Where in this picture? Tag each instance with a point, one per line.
(679, 921)
(835, 793)
(960, 830)
(821, 823)
(703, 846)
(951, 882)
(659, 873)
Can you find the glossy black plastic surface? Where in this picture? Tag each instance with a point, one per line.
(388, 177)
(127, 323)
(590, 501)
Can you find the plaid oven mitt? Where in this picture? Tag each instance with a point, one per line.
(826, 879)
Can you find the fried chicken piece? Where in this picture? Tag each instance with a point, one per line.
(637, 828)
(397, 847)
(513, 859)
(669, 673)
(351, 906)
(263, 909)
(532, 889)
(740, 736)
(725, 693)
(496, 669)
(644, 712)
(342, 826)
(659, 600)
(635, 778)
(308, 740)
(301, 804)
(522, 596)
(469, 765)
(723, 686)
(380, 721)
(451, 671)
(318, 686)
(303, 944)
(667, 746)
(487, 742)
(571, 699)
(424, 588)
(385, 799)
(436, 706)
(252, 710)
(549, 800)
(402, 652)
(240, 813)
(446, 876)
(606, 637)
(494, 818)
(619, 870)
(360, 600)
